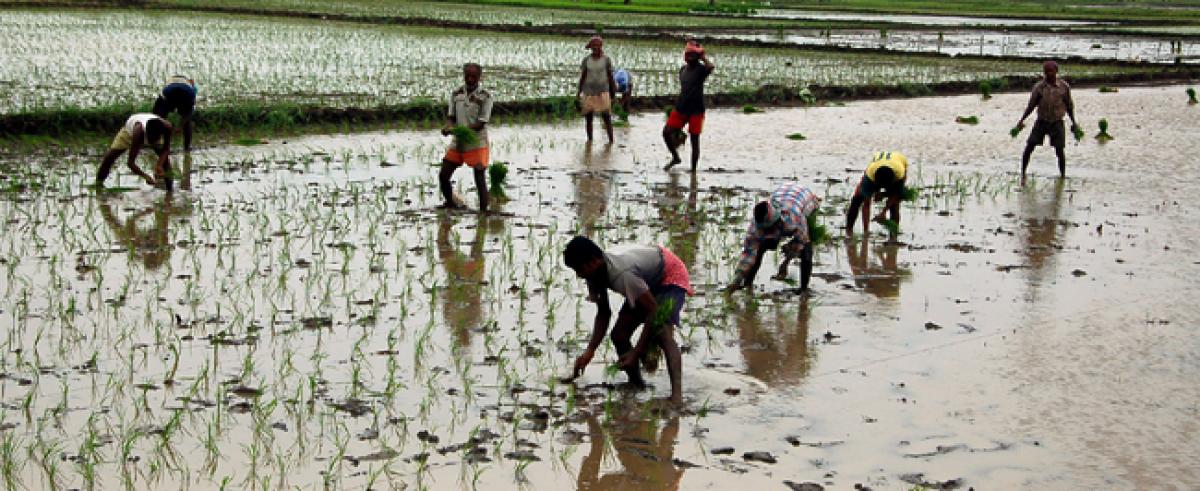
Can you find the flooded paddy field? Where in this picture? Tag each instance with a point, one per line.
(986, 43)
(300, 315)
(236, 59)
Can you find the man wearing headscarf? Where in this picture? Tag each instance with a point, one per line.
(789, 213)
(689, 107)
(1052, 98)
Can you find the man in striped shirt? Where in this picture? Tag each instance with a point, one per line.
(789, 213)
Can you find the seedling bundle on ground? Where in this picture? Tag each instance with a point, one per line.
(1103, 135)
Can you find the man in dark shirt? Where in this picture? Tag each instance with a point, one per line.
(689, 108)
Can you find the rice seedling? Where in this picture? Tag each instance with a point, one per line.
(797, 137)
(497, 176)
(1104, 89)
(967, 119)
(1191, 93)
(1016, 130)
(1077, 132)
(1103, 135)
(464, 136)
(892, 227)
(750, 109)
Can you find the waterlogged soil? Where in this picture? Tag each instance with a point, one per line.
(299, 313)
(987, 43)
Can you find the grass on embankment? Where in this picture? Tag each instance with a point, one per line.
(75, 127)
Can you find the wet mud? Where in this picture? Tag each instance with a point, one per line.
(300, 313)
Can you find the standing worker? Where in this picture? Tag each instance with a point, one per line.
(178, 95)
(689, 107)
(789, 213)
(1052, 98)
(597, 89)
(467, 118)
(884, 177)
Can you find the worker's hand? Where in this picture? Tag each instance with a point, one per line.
(581, 363)
(783, 272)
(880, 217)
(1020, 124)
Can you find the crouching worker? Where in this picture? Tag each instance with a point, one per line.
(141, 130)
(884, 177)
(789, 213)
(654, 283)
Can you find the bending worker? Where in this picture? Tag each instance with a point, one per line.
(787, 214)
(884, 177)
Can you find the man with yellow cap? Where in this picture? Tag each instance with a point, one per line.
(884, 177)
(789, 213)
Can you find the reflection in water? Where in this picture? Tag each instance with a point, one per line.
(881, 280)
(185, 173)
(591, 187)
(1042, 230)
(774, 344)
(461, 300)
(679, 218)
(645, 453)
(152, 246)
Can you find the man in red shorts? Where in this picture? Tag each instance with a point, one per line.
(470, 107)
(689, 108)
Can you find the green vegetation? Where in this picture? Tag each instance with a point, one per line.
(1191, 93)
(892, 227)
(1016, 130)
(1077, 132)
(497, 176)
(797, 136)
(1104, 89)
(1103, 135)
(750, 109)
(464, 136)
(967, 120)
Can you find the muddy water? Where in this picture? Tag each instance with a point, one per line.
(1038, 338)
(932, 20)
(990, 43)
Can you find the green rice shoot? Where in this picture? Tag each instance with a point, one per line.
(464, 136)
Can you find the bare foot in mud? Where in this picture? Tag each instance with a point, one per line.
(674, 162)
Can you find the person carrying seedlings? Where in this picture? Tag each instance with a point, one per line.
(689, 107)
(884, 176)
(467, 118)
(140, 130)
(787, 214)
(597, 89)
(1052, 98)
(655, 284)
(178, 95)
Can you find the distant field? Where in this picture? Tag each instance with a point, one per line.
(1187, 11)
(123, 57)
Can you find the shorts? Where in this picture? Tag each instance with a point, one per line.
(124, 141)
(662, 294)
(694, 122)
(175, 97)
(868, 189)
(600, 103)
(1057, 130)
(477, 158)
